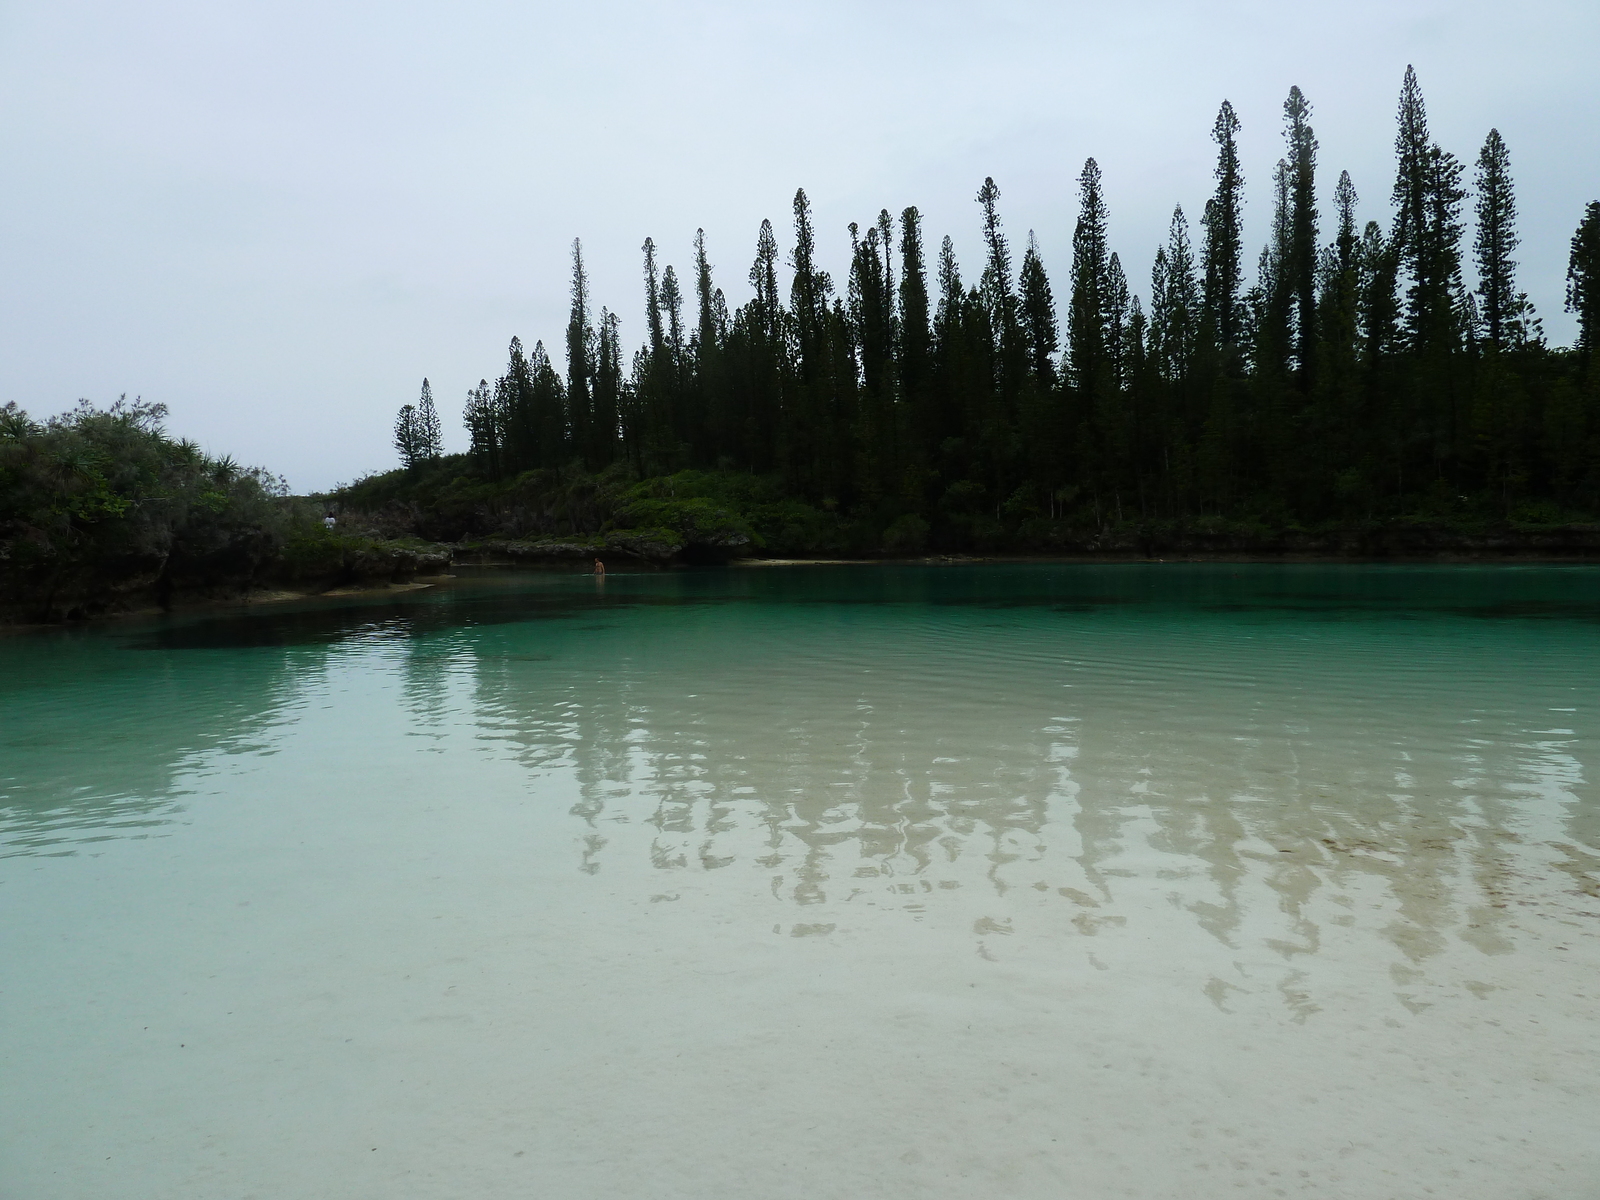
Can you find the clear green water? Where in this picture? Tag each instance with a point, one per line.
(1146, 880)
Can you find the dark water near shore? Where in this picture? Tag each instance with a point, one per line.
(939, 880)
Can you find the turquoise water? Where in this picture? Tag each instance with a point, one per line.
(1150, 879)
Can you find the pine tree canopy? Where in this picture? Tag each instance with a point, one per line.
(1357, 376)
(1583, 288)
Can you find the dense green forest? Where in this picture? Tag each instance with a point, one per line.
(1358, 378)
(1355, 397)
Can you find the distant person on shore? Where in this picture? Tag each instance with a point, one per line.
(329, 521)
(599, 567)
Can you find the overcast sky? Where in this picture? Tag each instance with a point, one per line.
(276, 218)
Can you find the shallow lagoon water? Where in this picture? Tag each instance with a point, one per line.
(1155, 880)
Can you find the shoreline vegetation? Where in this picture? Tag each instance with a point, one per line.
(102, 512)
(106, 515)
(1358, 400)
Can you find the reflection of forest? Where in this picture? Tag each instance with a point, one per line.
(1274, 782)
(97, 735)
(1416, 802)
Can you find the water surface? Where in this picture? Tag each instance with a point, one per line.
(1148, 880)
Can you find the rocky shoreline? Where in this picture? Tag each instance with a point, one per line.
(1385, 542)
(81, 592)
(345, 564)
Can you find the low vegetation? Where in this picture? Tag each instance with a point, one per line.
(101, 511)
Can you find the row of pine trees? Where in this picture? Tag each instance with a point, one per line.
(1357, 376)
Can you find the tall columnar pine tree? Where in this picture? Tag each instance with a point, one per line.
(871, 332)
(706, 333)
(407, 439)
(887, 292)
(1411, 177)
(1379, 261)
(676, 429)
(430, 436)
(837, 479)
(608, 398)
(656, 374)
(1583, 291)
(808, 294)
(953, 359)
(1271, 299)
(810, 422)
(512, 398)
(1133, 339)
(1428, 228)
(548, 409)
(947, 317)
(766, 372)
(1158, 311)
(1040, 412)
(1134, 370)
(1300, 265)
(587, 441)
(1175, 315)
(913, 333)
(1086, 323)
(1497, 319)
(1117, 300)
(1338, 309)
(704, 342)
(719, 315)
(1501, 306)
(871, 311)
(1116, 440)
(672, 312)
(764, 279)
(1222, 252)
(1346, 241)
(1439, 305)
(705, 401)
(999, 297)
(657, 348)
(1036, 311)
(482, 419)
(417, 435)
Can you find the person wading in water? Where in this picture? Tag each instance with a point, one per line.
(599, 567)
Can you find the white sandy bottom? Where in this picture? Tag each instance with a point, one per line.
(484, 1021)
(614, 914)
